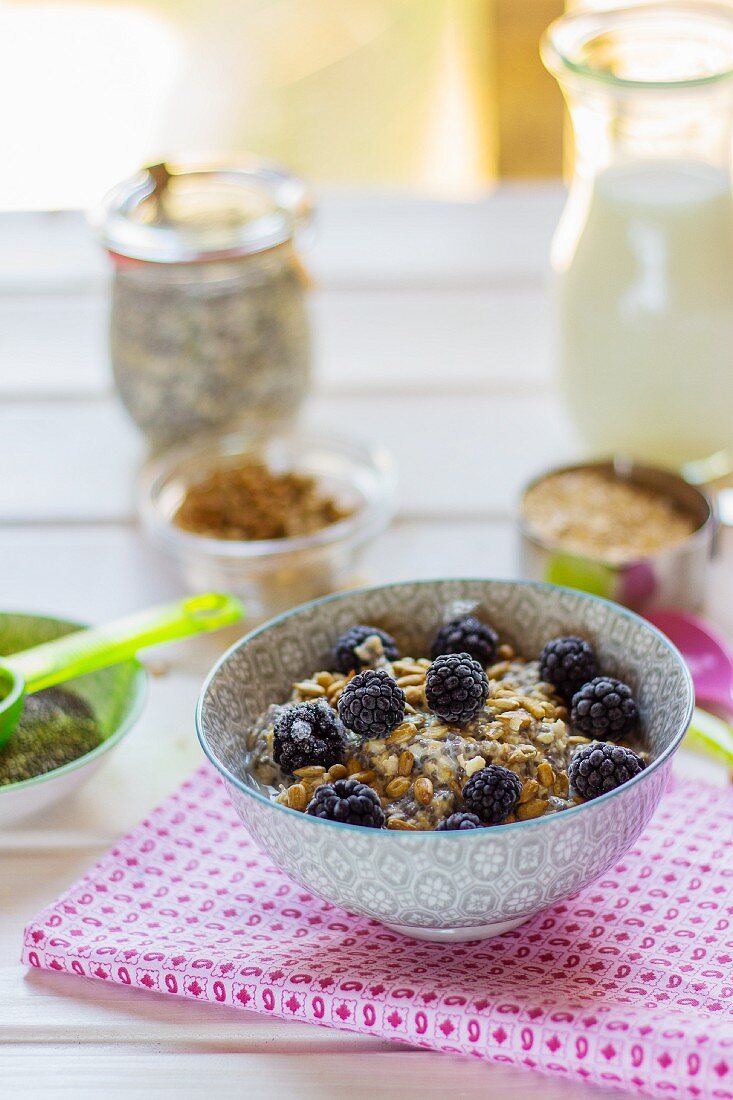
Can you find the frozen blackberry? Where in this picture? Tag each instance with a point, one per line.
(458, 821)
(456, 687)
(349, 801)
(601, 767)
(372, 704)
(468, 635)
(567, 664)
(492, 794)
(305, 734)
(345, 656)
(604, 709)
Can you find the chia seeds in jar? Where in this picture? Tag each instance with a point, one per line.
(209, 324)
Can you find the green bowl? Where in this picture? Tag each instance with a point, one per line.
(116, 696)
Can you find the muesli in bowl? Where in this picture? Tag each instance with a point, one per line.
(475, 735)
(431, 882)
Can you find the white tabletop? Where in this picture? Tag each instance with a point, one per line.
(431, 334)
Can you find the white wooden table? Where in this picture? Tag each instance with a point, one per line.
(432, 335)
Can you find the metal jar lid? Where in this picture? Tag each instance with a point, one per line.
(181, 214)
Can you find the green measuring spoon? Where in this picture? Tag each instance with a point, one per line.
(85, 651)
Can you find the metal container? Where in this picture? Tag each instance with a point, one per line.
(674, 577)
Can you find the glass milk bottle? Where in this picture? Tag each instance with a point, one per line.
(643, 254)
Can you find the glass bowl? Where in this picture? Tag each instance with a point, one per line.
(272, 575)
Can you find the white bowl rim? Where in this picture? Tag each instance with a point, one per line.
(419, 835)
(142, 685)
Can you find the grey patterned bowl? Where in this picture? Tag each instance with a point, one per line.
(446, 886)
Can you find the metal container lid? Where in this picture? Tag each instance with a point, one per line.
(177, 214)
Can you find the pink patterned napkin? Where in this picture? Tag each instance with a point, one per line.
(629, 983)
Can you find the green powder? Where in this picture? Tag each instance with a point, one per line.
(56, 726)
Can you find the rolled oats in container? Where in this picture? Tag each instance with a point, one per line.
(636, 534)
(209, 320)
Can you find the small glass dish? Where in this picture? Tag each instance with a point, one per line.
(272, 575)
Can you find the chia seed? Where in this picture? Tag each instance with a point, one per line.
(202, 348)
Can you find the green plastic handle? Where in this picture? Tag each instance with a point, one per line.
(101, 646)
(711, 736)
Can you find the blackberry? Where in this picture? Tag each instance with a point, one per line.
(372, 704)
(567, 664)
(456, 687)
(458, 821)
(345, 657)
(492, 794)
(349, 801)
(468, 635)
(306, 734)
(604, 709)
(602, 767)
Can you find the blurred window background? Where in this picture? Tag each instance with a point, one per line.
(444, 97)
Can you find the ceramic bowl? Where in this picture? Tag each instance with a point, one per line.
(443, 885)
(115, 695)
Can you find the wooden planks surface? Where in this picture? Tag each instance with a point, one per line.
(432, 335)
(94, 1072)
(463, 453)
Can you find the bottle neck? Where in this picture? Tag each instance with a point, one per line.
(650, 127)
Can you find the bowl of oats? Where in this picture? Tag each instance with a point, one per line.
(448, 757)
(636, 534)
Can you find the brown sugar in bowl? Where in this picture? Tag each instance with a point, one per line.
(272, 574)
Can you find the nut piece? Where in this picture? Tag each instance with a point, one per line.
(404, 732)
(411, 680)
(498, 670)
(536, 709)
(363, 777)
(407, 667)
(397, 787)
(313, 771)
(500, 706)
(535, 808)
(545, 774)
(297, 797)
(562, 785)
(352, 766)
(474, 765)
(337, 771)
(406, 762)
(423, 791)
(309, 689)
(529, 790)
(333, 691)
(401, 824)
(415, 696)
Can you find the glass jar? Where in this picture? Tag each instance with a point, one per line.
(643, 254)
(209, 322)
